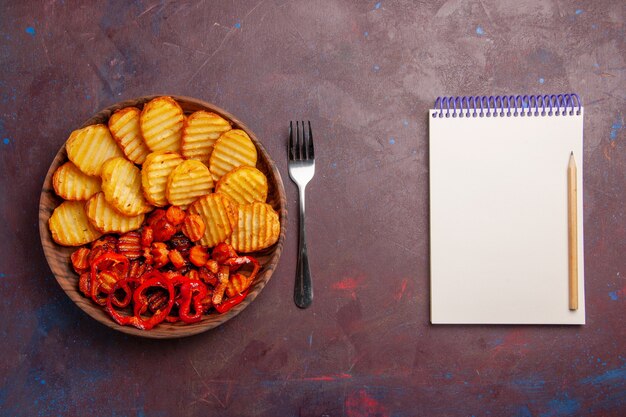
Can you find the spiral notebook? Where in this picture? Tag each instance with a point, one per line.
(499, 209)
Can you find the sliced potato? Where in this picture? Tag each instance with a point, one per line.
(106, 219)
(70, 183)
(70, 226)
(90, 147)
(219, 214)
(233, 149)
(200, 132)
(161, 123)
(188, 181)
(154, 174)
(244, 185)
(257, 228)
(124, 126)
(121, 184)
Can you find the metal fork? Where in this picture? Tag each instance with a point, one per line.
(301, 170)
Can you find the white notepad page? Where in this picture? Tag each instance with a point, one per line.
(498, 219)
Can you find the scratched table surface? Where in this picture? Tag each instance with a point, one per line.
(364, 73)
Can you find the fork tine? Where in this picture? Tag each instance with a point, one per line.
(303, 143)
(298, 150)
(305, 154)
(290, 150)
(311, 151)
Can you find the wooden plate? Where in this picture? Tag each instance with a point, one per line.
(58, 256)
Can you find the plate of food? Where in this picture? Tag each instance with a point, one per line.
(162, 216)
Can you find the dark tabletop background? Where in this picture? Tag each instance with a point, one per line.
(364, 73)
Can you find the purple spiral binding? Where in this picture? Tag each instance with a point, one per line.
(508, 106)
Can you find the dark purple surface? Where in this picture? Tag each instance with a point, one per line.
(364, 73)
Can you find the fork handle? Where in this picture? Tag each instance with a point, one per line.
(303, 291)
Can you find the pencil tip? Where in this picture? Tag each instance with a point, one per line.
(572, 153)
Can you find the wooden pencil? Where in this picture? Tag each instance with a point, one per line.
(572, 219)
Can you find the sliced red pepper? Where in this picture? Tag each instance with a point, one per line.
(104, 285)
(151, 275)
(177, 281)
(111, 261)
(116, 266)
(231, 302)
(140, 302)
(105, 244)
(191, 296)
(122, 284)
(192, 292)
(112, 299)
(242, 260)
